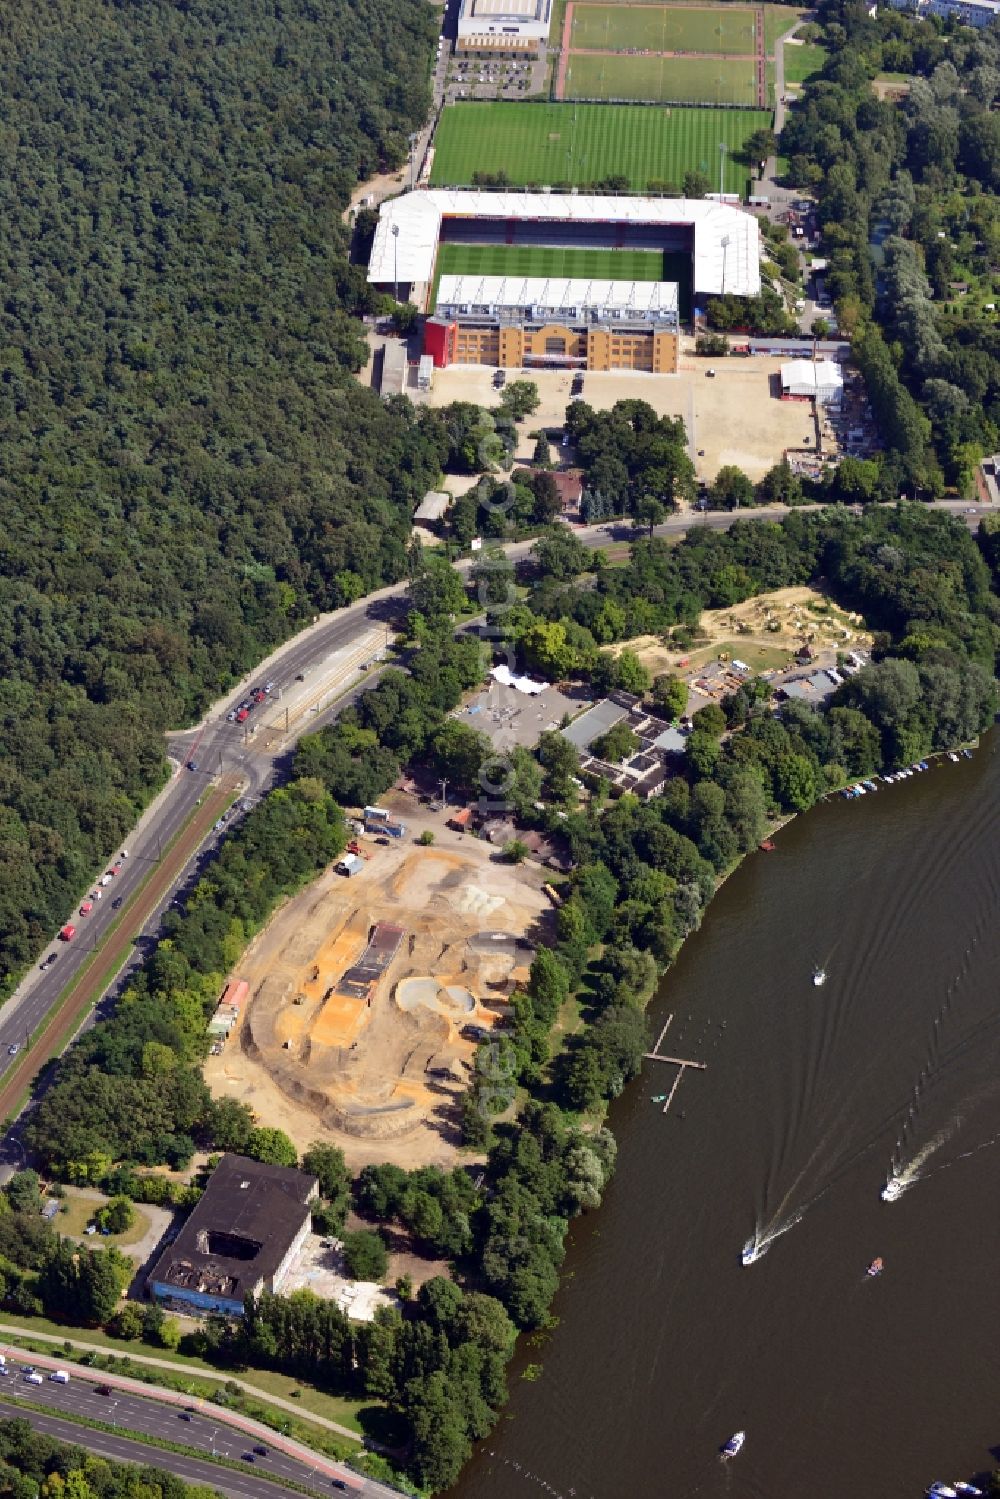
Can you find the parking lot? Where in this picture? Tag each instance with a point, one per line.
(494, 78)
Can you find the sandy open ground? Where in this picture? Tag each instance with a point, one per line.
(377, 1067)
(766, 632)
(733, 417)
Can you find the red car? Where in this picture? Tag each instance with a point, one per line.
(86, 908)
(243, 715)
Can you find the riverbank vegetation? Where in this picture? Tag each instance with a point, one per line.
(189, 468)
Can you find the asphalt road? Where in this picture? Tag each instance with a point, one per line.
(200, 1433)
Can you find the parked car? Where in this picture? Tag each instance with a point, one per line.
(13, 1048)
(116, 903)
(192, 765)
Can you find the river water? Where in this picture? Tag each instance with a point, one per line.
(666, 1344)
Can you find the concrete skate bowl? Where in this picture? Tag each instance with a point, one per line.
(423, 992)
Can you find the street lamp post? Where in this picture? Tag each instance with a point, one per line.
(395, 261)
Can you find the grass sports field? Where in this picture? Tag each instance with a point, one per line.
(667, 80)
(583, 143)
(582, 264)
(662, 28)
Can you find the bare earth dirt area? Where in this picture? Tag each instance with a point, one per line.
(732, 416)
(766, 632)
(368, 997)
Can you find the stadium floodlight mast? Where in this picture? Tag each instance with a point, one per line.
(722, 167)
(395, 261)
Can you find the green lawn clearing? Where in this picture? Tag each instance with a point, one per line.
(802, 62)
(583, 143)
(661, 80)
(79, 1212)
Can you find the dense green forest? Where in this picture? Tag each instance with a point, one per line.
(187, 468)
(908, 195)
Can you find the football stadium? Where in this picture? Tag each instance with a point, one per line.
(548, 280)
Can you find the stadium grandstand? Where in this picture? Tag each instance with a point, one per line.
(517, 321)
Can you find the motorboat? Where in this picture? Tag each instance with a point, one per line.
(892, 1190)
(953, 757)
(942, 1491)
(735, 1445)
(876, 1267)
(751, 1253)
(966, 1488)
(819, 977)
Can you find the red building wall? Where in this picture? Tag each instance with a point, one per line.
(439, 341)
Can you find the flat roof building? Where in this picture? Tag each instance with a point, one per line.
(239, 1240)
(508, 26)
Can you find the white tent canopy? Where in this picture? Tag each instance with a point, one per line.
(806, 377)
(506, 678)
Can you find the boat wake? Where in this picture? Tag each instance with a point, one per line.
(901, 1178)
(760, 1242)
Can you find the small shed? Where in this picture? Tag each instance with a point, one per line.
(433, 506)
(461, 820)
(350, 865)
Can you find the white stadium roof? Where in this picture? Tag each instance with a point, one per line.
(636, 299)
(726, 239)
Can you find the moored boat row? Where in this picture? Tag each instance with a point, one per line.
(862, 788)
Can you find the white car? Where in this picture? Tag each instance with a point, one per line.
(105, 879)
(13, 1049)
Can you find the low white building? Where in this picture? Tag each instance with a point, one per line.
(812, 379)
(976, 13)
(503, 26)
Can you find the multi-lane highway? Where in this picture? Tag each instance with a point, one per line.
(197, 1427)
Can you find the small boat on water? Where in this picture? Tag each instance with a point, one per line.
(953, 757)
(966, 1488)
(967, 753)
(892, 1190)
(658, 1098)
(734, 1445)
(876, 1267)
(819, 977)
(751, 1253)
(942, 1491)
(767, 846)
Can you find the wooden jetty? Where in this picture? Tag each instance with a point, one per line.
(681, 1063)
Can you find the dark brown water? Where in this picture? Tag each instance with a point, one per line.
(845, 1385)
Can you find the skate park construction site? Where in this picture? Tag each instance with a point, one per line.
(369, 996)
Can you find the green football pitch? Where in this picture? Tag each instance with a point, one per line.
(662, 28)
(661, 80)
(578, 263)
(585, 143)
